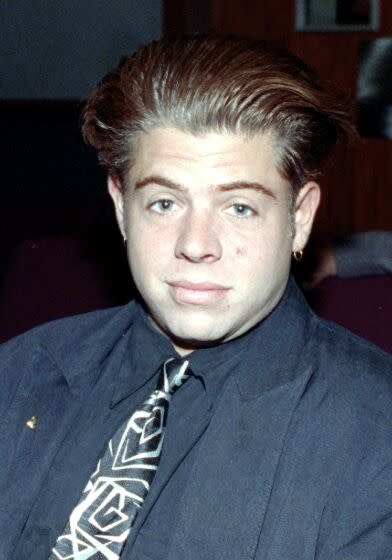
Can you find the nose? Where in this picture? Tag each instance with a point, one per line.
(198, 239)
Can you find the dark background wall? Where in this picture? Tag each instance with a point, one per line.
(53, 53)
(56, 49)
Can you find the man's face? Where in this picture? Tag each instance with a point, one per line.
(209, 231)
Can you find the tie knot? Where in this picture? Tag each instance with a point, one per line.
(173, 374)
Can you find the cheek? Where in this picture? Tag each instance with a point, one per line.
(149, 252)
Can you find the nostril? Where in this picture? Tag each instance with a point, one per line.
(197, 258)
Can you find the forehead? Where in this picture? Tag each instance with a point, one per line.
(170, 150)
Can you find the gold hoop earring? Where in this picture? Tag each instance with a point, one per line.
(298, 255)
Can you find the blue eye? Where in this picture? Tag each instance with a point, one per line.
(241, 210)
(162, 206)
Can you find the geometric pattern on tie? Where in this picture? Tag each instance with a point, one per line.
(100, 523)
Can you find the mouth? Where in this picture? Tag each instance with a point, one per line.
(197, 293)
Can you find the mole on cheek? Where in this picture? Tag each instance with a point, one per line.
(240, 251)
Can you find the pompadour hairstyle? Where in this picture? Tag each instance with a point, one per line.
(217, 84)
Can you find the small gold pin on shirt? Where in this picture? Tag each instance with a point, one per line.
(32, 422)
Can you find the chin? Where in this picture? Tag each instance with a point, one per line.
(195, 335)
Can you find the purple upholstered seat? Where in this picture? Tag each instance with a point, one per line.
(51, 278)
(362, 305)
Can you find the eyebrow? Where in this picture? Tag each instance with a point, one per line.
(246, 185)
(225, 187)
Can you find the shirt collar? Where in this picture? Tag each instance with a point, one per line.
(139, 354)
(278, 349)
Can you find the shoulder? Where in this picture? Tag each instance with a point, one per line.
(356, 375)
(67, 330)
(344, 350)
(72, 343)
(349, 423)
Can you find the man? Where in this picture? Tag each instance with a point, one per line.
(278, 441)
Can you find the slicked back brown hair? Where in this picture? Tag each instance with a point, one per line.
(214, 84)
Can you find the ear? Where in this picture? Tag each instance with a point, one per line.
(117, 194)
(305, 208)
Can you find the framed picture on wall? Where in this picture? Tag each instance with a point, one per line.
(337, 15)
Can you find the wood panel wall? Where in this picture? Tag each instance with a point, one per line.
(358, 183)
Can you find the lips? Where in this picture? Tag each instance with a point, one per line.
(197, 293)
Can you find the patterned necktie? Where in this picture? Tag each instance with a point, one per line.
(101, 521)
